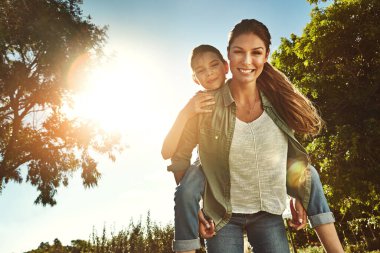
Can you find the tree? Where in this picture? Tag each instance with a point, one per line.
(336, 63)
(137, 238)
(39, 41)
(57, 247)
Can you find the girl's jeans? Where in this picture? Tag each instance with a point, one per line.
(189, 192)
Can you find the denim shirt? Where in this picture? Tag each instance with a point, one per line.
(213, 133)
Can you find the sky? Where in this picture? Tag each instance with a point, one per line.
(144, 82)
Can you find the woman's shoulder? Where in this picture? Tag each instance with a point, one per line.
(223, 94)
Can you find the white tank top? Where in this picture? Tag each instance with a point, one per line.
(258, 157)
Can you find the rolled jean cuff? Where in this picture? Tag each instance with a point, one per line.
(320, 219)
(186, 245)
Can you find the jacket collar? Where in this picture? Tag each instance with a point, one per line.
(228, 99)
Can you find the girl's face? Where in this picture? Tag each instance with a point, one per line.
(247, 56)
(209, 71)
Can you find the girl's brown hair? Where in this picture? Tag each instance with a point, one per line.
(201, 49)
(293, 107)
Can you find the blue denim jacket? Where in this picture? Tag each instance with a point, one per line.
(213, 133)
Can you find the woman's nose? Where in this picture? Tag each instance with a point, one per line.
(247, 59)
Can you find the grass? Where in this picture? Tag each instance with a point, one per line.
(350, 249)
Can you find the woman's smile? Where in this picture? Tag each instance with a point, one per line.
(246, 71)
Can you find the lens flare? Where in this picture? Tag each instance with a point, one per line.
(296, 174)
(77, 72)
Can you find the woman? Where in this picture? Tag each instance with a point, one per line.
(247, 148)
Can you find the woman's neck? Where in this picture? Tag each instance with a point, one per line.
(244, 93)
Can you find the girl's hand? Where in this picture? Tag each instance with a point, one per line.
(198, 103)
(299, 218)
(206, 228)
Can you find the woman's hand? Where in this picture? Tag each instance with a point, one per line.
(299, 218)
(206, 228)
(198, 103)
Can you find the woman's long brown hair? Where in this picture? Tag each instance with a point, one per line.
(293, 107)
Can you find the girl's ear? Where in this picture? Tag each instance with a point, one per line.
(226, 67)
(195, 79)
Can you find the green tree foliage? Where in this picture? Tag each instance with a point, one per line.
(57, 247)
(39, 41)
(137, 238)
(316, 1)
(336, 62)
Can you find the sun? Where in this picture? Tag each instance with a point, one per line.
(101, 97)
(131, 93)
(113, 94)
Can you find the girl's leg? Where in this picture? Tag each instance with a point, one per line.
(318, 209)
(320, 216)
(266, 233)
(229, 239)
(187, 196)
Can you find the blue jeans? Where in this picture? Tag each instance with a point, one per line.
(188, 194)
(266, 233)
(318, 210)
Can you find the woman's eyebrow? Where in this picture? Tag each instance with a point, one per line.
(237, 47)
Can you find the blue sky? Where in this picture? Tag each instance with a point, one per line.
(148, 47)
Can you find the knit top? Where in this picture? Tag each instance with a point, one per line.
(257, 160)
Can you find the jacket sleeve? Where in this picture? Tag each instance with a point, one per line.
(188, 141)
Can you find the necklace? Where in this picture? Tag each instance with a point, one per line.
(251, 108)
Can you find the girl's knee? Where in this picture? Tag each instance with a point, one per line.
(314, 173)
(186, 195)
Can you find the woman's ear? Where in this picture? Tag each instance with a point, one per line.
(267, 56)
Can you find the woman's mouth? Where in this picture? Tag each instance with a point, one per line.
(246, 71)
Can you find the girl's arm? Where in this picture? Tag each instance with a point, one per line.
(195, 105)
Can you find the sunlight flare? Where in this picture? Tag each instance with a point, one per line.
(115, 94)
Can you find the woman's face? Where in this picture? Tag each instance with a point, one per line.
(247, 55)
